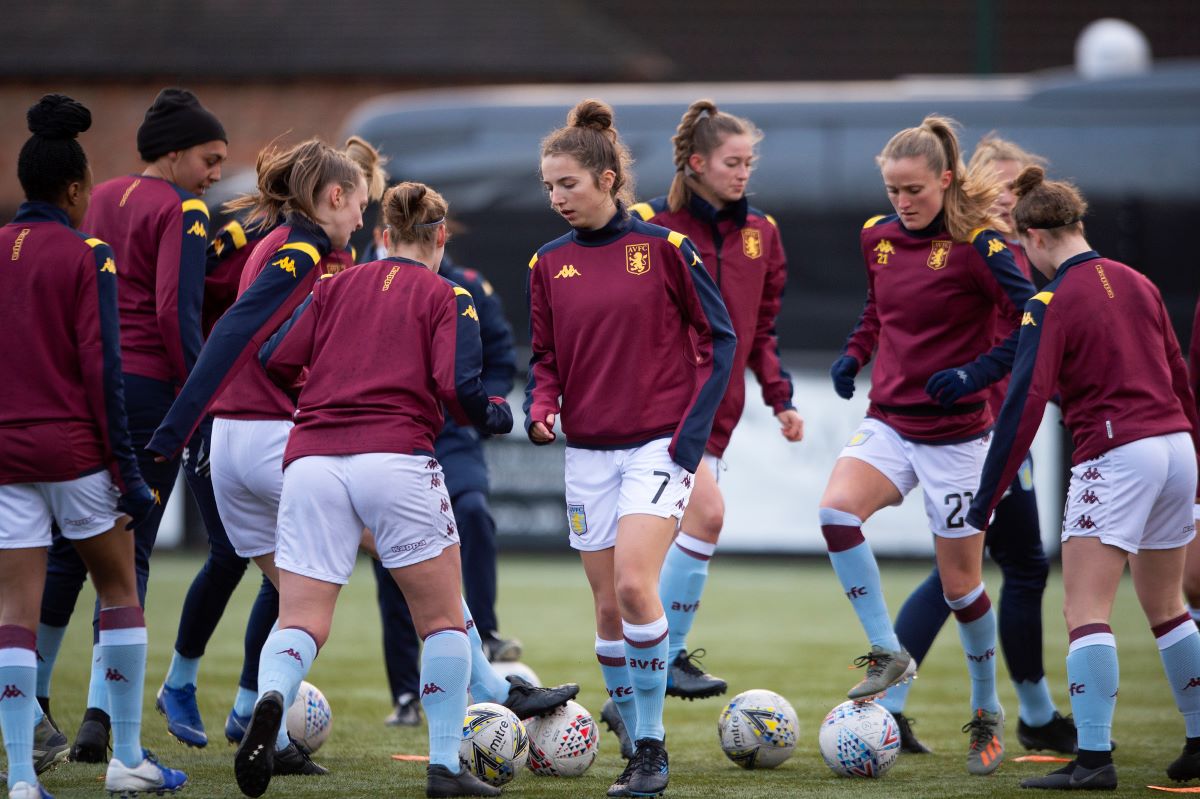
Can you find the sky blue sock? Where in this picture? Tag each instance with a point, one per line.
(646, 656)
(1179, 648)
(977, 632)
(617, 682)
(856, 569)
(894, 698)
(680, 585)
(243, 702)
(97, 690)
(486, 684)
(18, 681)
(1036, 705)
(287, 656)
(123, 657)
(445, 672)
(182, 672)
(49, 641)
(1094, 676)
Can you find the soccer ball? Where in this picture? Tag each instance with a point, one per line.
(310, 718)
(758, 729)
(563, 743)
(859, 739)
(517, 668)
(494, 743)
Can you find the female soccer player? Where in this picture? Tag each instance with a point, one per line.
(158, 228)
(614, 306)
(714, 157)
(1014, 539)
(937, 275)
(65, 451)
(1133, 482)
(352, 464)
(222, 571)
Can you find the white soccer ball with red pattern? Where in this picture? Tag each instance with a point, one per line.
(859, 739)
(758, 729)
(309, 719)
(563, 743)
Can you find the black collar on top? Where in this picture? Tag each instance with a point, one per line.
(1075, 260)
(938, 225)
(705, 211)
(617, 227)
(38, 211)
(312, 230)
(402, 260)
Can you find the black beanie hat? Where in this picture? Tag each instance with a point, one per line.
(176, 121)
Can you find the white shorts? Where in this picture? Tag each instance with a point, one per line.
(948, 473)
(1136, 496)
(329, 499)
(84, 507)
(247, 478)
(605, 484)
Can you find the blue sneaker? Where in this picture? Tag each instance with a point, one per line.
(149, 776)
(183, 716)
(235, 727)
(23, 790)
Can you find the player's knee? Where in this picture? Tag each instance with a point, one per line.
(635, 598)
(705, 519)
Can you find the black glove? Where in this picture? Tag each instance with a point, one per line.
(843, 371)
(137, 503)
(950, 385)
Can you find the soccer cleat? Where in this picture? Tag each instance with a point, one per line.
(254, 762)
(235, 727)
(909, 743)
(686, 679)
(441, 781)
(1074, 777)
(650, 771)
(611, 717)
(620, 786)
(1185, 767)
(178, 706)
(885, 668)
(91, 739)
(526, 700)
(500, 650)
(149, 776)
(407, 712)
(985, 752)
(50, 746)
(1057, 735)
(23, 790)
(293, 760)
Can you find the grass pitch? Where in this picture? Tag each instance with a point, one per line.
(777, 624)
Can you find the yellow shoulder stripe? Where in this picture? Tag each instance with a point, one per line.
(462, 291)
(533, 260)
(771, 219)
(975, 233)
(487, 288)
(305, 248)
(195, 205)
(676, 238)
(1044, 297)
(872, 221)
(643, 210)
(237, 233)
(94, 243)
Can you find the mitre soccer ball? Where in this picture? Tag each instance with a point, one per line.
(494, 743)
(758, 729)
(859, 739)
(563, 743)
(309, 719)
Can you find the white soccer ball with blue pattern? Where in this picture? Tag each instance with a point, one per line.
(859, 739)
(494, 743)
(758, 729)
(309, 719)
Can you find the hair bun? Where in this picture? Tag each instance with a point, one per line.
(594, 114)
(1030, 178)
(57, 116)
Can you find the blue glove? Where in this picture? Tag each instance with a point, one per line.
(950, 385)
(137, 503)
(843, 371)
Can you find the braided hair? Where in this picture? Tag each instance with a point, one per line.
(702, 130)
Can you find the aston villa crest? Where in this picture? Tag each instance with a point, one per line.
(637, 259)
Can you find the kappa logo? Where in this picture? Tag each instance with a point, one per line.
(286, 264)
(435, 481)
(110, 266)
(679, 505)
(883, 250)
(20, 242)
(637, 259)
(995, 246)
(751, 243)
(218, 246)
(198, 229)
(1077, 688)
(445, 505)
(450, 529)
(1092, 474)
(857, 591)
(1084, 522)
(938, 255)
(114, 675)
(292, 653)
(1089, 497)
(11, 692)
(129, 191)
(1027, 319)
(432, 688)
(431, 464)
(470, 312)
(1192, 683)
(568, 270)
(687, 481)
(984, 658)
